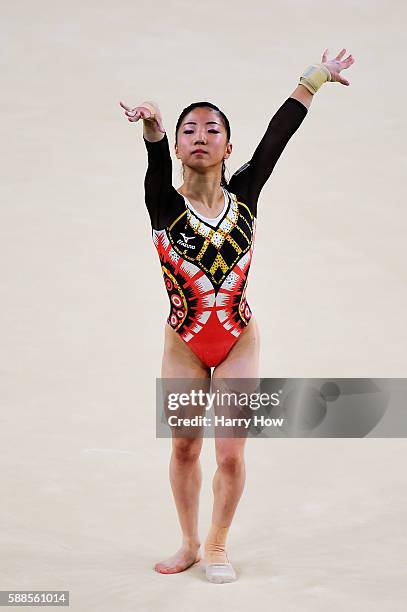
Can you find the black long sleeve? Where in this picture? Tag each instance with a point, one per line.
(162, 200)
(248, 181)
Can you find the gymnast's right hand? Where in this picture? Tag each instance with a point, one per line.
(148, 111)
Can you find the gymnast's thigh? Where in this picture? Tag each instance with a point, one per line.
(183, 372)
(238, 373)
(242, 361)
(179, 360)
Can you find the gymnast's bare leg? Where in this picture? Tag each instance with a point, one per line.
(179, 361)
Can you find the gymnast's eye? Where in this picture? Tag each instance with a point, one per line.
(212, 130)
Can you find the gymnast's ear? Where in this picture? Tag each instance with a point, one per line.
(228, 151)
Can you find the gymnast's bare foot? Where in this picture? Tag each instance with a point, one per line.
(186, 556)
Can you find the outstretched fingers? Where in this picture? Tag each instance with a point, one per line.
(348, 61)
(344, 63)
(136, 113)
(337, 64)
(340, 54)
(123, 105)
(129, 112)
(142, 112)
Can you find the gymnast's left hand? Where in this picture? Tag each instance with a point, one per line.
(337, 64)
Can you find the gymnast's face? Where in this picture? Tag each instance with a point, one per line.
(203, 129)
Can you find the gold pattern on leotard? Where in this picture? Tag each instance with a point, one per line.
(216, 250)
(234, 244)
(219, 263)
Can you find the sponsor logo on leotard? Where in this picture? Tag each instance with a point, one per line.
(184, 242)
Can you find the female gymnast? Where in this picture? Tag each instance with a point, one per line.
(204, 232)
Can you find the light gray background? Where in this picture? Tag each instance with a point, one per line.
(86, 503)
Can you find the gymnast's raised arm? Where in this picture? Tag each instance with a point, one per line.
(158, 179)
(248, 180)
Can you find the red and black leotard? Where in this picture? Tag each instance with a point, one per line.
(205, 262)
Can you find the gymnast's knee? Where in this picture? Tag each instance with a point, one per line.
(230, 463)
(186, 450)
